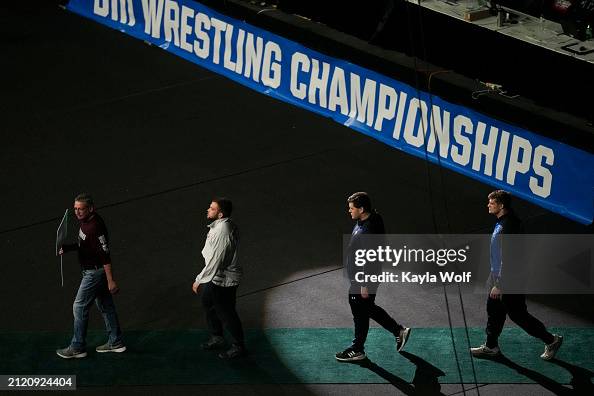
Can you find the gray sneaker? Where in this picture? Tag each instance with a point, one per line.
(107, 347)
(552, 348)
(484, 351)
(402, 338)
(71, 353)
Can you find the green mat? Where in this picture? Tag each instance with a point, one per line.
(302, 356)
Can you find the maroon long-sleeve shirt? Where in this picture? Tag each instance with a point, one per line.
(93, 243)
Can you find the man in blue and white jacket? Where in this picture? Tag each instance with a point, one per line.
(499, 303)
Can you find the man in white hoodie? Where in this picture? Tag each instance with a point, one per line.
(220, 278)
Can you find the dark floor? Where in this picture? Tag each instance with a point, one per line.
(154, 138)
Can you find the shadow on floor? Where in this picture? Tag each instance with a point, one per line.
(425, 380)
(580, 382)
(581, 378)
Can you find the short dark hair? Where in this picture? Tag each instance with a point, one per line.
(225, 205)
(501, 196)
(360, 200)
(86, 198)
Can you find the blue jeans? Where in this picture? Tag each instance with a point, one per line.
(93, 287)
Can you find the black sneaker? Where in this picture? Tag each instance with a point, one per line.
(350, 355)
(107, 347)
(402, 337)
(214, 342)
(234, 352)
(71, 353)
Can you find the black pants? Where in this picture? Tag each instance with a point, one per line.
(513, 305)
(219, 304)
(363, 309)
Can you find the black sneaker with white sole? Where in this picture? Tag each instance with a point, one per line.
(234, 352)
(402, 337)
(350, 355)
(214, 342)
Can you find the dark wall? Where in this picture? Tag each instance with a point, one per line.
(550, 79)
(554, 89)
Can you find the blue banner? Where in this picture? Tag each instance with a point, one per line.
(548, 173)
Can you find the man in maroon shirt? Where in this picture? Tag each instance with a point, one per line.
(97, 283)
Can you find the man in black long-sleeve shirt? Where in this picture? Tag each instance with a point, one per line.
(362, 296)
(501, 304)
(97, 283)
